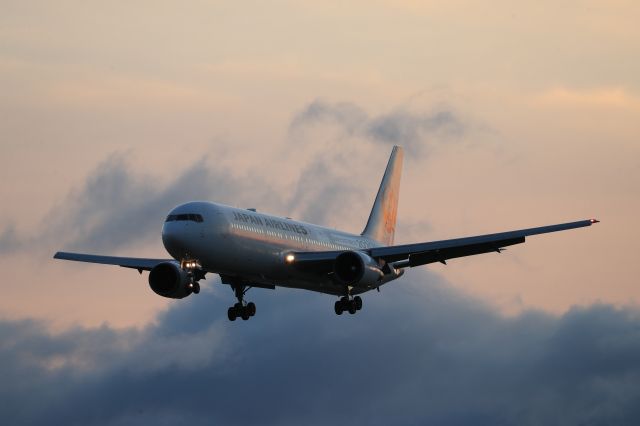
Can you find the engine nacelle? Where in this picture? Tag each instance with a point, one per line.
(168, 279)
(357, 269)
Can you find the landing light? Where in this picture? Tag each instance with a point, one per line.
(289, 258)
(594, 220)
(190, 264)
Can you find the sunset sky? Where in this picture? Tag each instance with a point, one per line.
(512, 115)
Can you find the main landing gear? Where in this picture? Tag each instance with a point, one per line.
(240, 309)
(347, 304)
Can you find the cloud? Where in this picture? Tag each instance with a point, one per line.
(324, 191)
(116, 206)
(414, 131)
(417, 353)
(607, 98)
(9, 240)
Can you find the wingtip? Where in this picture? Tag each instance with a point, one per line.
(59, 255)
(594, 221)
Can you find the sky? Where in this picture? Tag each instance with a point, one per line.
(512, 115)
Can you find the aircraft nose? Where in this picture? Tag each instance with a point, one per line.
(173, 239)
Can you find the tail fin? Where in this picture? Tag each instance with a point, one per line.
(381, 225)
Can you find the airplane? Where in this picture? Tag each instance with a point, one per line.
(250, 249)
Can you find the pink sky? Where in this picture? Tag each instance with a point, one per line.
(548, 97)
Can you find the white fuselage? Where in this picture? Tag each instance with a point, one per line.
(251, 246)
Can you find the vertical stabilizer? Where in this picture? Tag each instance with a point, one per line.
(381, 225)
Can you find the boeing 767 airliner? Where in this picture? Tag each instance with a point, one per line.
(252, 249)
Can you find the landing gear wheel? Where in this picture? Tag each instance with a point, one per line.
(232, 314)
(346, 303)
(358, 302)
(240, 309)
(196, 288)
(244, 313)
(251, 308)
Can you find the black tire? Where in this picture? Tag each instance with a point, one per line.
(338, 307)
(251, 307)
(352, 307)
(196, 288)
(358, 302)
(232, 314)
(244, 314)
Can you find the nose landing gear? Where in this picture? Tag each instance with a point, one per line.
(194, 286)
(195, 273)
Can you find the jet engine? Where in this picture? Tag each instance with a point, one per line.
(168, 279)
(357, 269)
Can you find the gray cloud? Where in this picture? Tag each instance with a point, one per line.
(322, 192)
(349, 116)
(9, 240)
(117, 206)
(418, 353)
(414, 131)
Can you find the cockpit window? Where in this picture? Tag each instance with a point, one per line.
(186, 216)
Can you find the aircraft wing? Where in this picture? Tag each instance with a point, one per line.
(410, 255)
(440, 251)
(126, 262)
